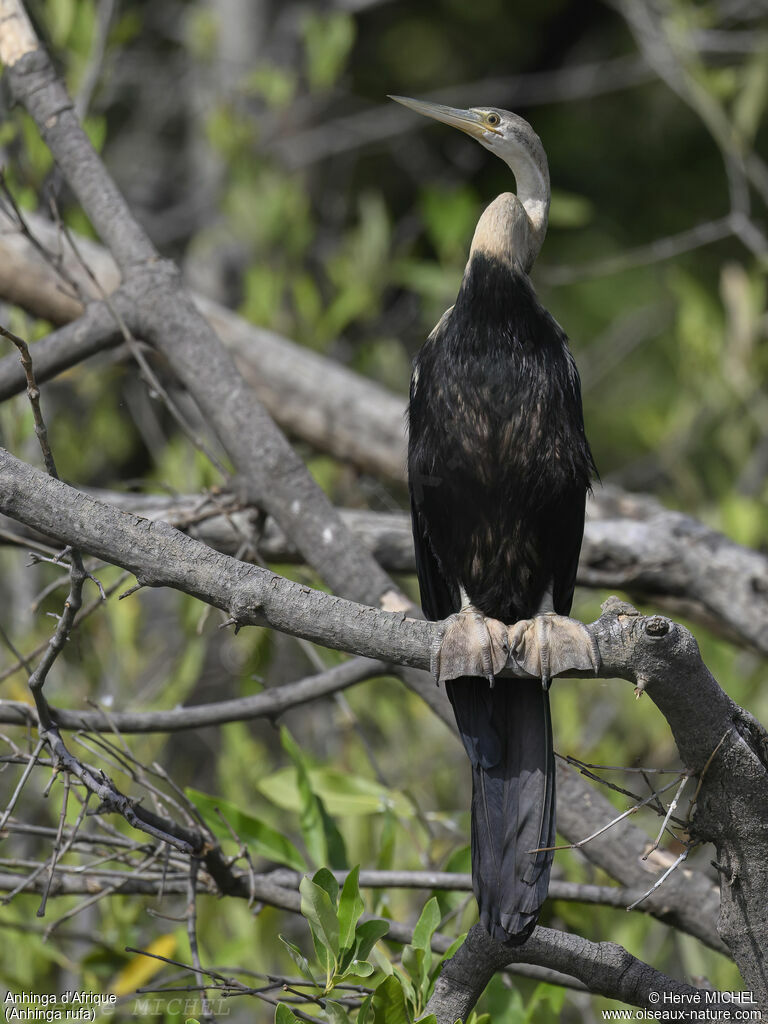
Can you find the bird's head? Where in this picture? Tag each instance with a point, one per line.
(512, 139)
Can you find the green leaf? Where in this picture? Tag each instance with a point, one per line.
(432, 1019)
(368, 934)
(298, 958)
(334, 841)
(316, 906)
(321, 835)
(381, 962)
(326, 880)
(385, 856)
(459, 862)
(285, 1015)
(351, 907)
(258, 836)
(359, 969)
(450, 215)
(275, 84)
(448, 953)
(545, 993)
(336, 1013)
(749, 105)
(60, 17)
(409, 989)
(414, 963)
(96, 130)
(365, 1006)
(389, 1005)
(342, 793)
(427, 924)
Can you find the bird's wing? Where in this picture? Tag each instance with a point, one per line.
(566, 532)
(437, 599)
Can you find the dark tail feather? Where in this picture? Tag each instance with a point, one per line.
(507, 733)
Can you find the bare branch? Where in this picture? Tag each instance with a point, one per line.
(631, 542)
(654, 652)
(644, 255)
(269, 704)
(272, 473)
(604, 967)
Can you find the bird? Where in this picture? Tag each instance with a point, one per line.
(499, 468)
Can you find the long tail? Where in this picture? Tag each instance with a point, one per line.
(507, 733)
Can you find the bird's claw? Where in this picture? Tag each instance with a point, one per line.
(471, 645)
(550, 644)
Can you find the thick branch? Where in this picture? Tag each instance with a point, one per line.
(350, 416)
(604, 968)
(158, 555)
(161, 556)
(633, 542)
(630, 542)
(273, 475)
(653, 652)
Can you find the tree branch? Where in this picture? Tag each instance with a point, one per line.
(631, 542)
(656, 654)
(659, 656)
(270, 704)
(604, 968)
(354, 418)
(689, 901)
(272, 473)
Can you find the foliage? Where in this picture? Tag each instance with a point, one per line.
(352, 242)
(347, 950)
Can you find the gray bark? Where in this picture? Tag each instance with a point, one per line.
(605, 968)
(630, 542)
(716, 738)
(272, 474)
(313, 398)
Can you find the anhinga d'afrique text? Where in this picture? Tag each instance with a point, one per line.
(499, 469)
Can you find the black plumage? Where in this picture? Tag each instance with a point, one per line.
(499, 468)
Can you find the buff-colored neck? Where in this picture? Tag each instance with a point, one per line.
(512, 227)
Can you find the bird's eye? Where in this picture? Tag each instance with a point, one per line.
(493, 120)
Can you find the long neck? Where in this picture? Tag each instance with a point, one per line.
(513, 227)
(528, 163)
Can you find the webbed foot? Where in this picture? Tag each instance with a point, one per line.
(550, 644)
(471, 645)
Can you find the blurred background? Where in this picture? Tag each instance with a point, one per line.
(254, 141)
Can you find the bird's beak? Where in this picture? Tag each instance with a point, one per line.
(469, 121)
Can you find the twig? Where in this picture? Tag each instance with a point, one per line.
(90, 77)
(191, 916)
(150, 377)
(615, 821)
(243, 853)
(56, 847)
(661, 879)
(703, 773)
(23, 660)
(77, 571)
(655, 844)
(106, 891)
(20, 785)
